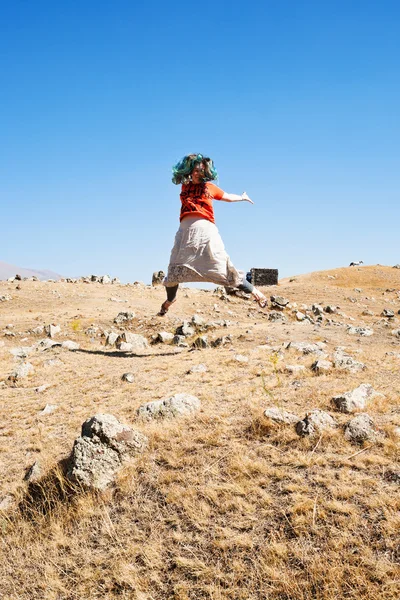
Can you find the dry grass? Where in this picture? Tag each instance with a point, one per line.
(223, 506)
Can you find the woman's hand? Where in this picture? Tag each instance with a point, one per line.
(245, 198)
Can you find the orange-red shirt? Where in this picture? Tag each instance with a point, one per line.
(197, 200)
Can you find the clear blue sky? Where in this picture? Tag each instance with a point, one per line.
(297, 101)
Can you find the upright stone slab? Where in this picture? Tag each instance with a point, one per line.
(260, 277)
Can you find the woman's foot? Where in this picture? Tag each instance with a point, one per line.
(259, 298)
(165, 307)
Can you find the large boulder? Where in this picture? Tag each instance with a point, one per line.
(136, 342)
(174, 406)
(104, 446)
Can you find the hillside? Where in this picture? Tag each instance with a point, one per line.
(225, 503)
(7, 270)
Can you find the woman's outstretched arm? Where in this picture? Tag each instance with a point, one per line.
(236, 198)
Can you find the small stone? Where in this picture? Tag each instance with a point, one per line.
(321, 366)
(165, 337)
(48, 409)
(185, 329)
(124, 317)
(23, 370)
(241, 358)
(21, 352)
(280, 416)
(277, 316)
(33, 473)
(300, 316)
(197, 369)
(52, 330)
(201, 342)
(6, 502)
(70, 345)
(180, 340)
(396, 332)
(367, 313)
(125, 347)
(42, 388)
(330, 309)
(363, 331)
(387, 313)
(111, 338)
(39, 330)
(221, 341)
(345, 362)
(128, 377)
(295, 369)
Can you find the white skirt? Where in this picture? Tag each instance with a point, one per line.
(199, 255)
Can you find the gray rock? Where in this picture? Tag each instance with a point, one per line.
(22, 351)
(280, 416)
(363, 331)
(115, 280)
(315, 422)
(180, 340)
(279, 302)
(165, 337)
(241, 358)
(33, 473)
(111, 338)
(198, 322)
(70, 345)
(174, 406)
(300, 316)
(42, 388)
(295, 369)
(185, 329)
(362, 428)
(321, 366)
(39, 330)
(104, 446)
(105, 279)
(330, 309)
(396, 266)
(396, 332)
(198, 369)
(46, 344)
(128, 377)
(307, 347)
(317, 309)
(23, 370)
(221, 341)
(7, 502)
(52, 330)
(138, 342)
(356, 399)
(277, 316)
(201, 342)
(345, 362)
(367, 313)
(48, 409)
(124, 317)
(5, 298)
(387, 312)
(125, 347)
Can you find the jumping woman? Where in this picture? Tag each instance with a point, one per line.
(199, 253)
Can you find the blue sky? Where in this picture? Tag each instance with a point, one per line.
(297, 102)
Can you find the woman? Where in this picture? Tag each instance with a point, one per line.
(198, 253)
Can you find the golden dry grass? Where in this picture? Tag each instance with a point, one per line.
(226, 505)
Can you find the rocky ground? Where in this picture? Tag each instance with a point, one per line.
(280, 481)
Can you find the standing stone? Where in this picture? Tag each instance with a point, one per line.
(104, 446)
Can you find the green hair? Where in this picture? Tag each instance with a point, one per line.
(182, 170)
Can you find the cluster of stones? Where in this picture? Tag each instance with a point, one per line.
(359, 429)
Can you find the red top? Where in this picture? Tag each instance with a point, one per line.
(197, 200)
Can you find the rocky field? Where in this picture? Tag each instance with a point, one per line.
(228, 452)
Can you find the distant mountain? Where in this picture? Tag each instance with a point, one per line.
(7, 271)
